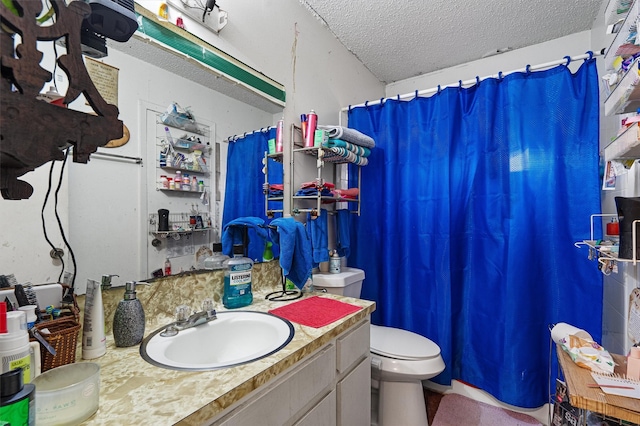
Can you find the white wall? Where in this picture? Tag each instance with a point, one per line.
(572, 45)
(277, 37)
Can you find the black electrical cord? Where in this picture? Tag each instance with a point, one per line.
(68, 297)
(44, 225)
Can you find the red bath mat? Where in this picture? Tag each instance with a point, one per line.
(315, 311)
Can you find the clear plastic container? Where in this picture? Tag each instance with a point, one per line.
(68, 394)
(216, 260)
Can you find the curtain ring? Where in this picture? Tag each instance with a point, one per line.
(459, 84)
(439, 89)
(381, 101)
(349, 110)
(477, 79)
(416, 93)
(568, 58)
(528, 69)
(366, 104)
(590, 53)
(500, 77)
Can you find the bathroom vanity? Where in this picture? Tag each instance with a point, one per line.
(321, 377)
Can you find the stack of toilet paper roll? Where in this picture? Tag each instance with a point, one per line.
(582, 349)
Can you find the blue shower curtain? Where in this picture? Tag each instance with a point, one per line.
(471, 204)
(243, 189)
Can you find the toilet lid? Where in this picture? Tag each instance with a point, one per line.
(401, 344)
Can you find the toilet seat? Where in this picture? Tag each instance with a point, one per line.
(401, 344)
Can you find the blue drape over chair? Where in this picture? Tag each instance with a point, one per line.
(471, 204)
(243, 190)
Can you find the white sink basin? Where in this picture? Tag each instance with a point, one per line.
(234, 338)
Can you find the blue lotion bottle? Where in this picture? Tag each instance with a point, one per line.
(237, 280)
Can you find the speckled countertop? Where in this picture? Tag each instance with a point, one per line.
(133, 391)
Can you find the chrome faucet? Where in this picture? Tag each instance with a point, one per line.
(185, 320)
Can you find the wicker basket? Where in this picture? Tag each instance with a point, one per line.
(63, 337)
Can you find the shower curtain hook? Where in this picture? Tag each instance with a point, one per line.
(500, 77)
(416, 93)
(568, 58)
(459, 84)
(366, 104)
(528, 69)
(381, 101)
(590, 53)
(398, 96)
(439, 89)
(477, 79)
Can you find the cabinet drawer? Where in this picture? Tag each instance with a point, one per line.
(353, 346)
(323, 414)
(277, 403)
(354, 396)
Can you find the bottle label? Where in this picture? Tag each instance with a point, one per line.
(239, 279)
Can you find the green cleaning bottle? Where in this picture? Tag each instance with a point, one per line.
(237, 280)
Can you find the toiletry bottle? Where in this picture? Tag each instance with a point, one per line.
(633, 363)
(94, 341)
(334, 263)
(167, 267)
(128, 320)
(16, 351)
(17, 399)
(237, 280)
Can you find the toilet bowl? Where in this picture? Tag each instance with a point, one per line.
(400, 360)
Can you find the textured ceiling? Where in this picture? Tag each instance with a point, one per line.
(399, 39)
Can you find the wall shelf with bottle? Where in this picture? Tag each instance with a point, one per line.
(606, 251)
(311, 196)
(624, 96)
(625, 146)
(179, 224)
(179, 157)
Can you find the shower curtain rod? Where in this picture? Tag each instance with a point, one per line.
(566, 60)
(236, 137)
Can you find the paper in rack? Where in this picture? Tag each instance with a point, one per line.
(617, 385)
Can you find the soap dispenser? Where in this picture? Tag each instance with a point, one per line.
(128, 320)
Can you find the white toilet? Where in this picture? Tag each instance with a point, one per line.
(400, 360)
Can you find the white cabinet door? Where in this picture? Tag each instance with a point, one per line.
(354, 396)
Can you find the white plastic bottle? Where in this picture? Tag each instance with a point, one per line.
(94, 341)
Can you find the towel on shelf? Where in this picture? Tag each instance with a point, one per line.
(349, 135)
(356, 149)
(349, 193)
(295, 249)
(343, 154)
(233, 233)
(343, 239)
(318, 233)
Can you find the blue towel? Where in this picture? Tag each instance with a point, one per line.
(233, 231)
(317, 230)
(342, 226)
(295, 249)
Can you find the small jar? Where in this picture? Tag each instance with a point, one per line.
(172, 184)
(201, 186)
(178, 180)
(194, 183)
(164, 183)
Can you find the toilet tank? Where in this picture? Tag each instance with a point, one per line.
(347, 283)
